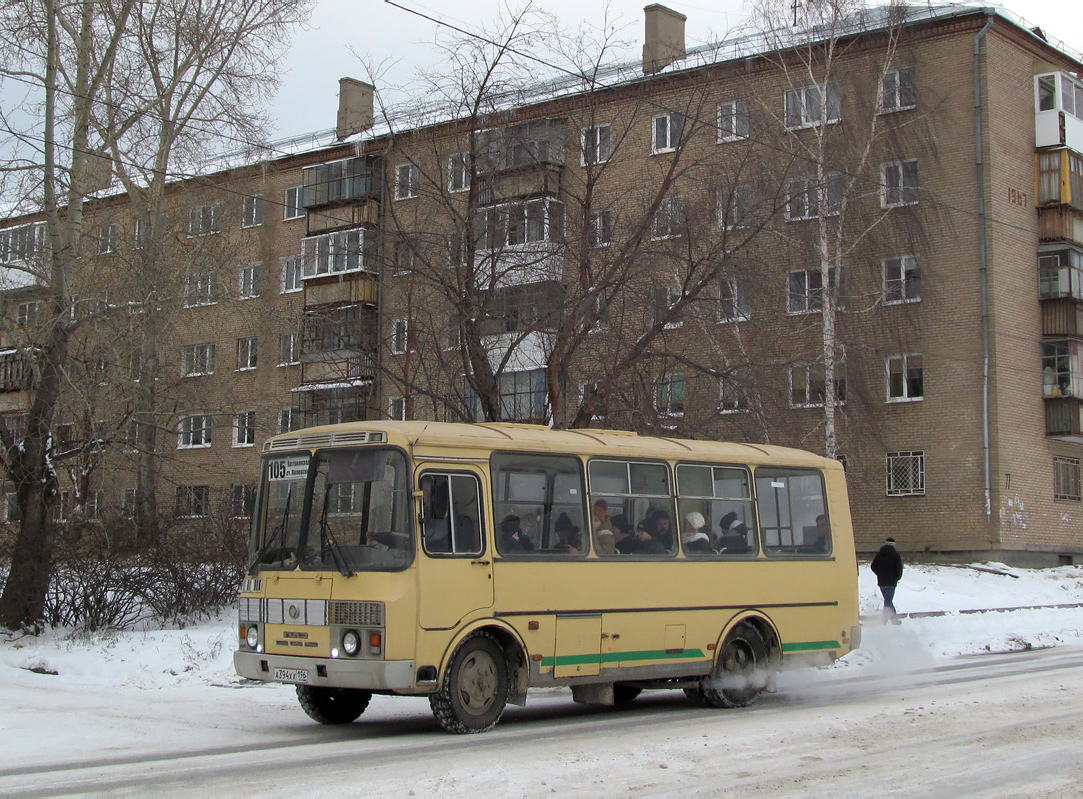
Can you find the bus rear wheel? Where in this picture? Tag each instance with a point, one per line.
(333, 705)
(623, 694)
(741, 674)
(474, 692)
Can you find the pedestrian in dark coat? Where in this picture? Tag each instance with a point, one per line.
(888, 568)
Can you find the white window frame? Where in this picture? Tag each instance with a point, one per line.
(601, 228)
(731, 395)
(733, 292)
(247, 353)
(204, 220)
(400, 335)
(895, 102)
(407, 181)
(293, 203)
(396, 408)
(671, 139)
(248, 281)
(107, 239)
(201, 289)
(333, 253)
(811, 298)
(458, 172)
(915, 483)
(293, 269)
(669, 219)
(733, 121)
(195, 431)
(904, 266)
(662, 394)
(252, 210)
(674, 294)
(289, 348)
(197, 360)
(244, 429)
(902, 193)
(290, 419)
(594, 146)
(735, 207)
(905, 362)
(809, 370)
(27, 313)
(812, 113)
(193, 502)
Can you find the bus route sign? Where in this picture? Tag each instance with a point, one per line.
(293, 467)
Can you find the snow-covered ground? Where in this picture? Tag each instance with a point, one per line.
(70, 697)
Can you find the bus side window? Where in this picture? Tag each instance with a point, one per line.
(450, 514)
(538, 504)
(793, 511)
(466, 515)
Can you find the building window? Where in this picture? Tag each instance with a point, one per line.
(1061, 369)
(668, 219)
(22, 243)
(107, 239)
(805, 199)
(27, 313)
(458, 170)
(899, 183)
(518, 224)
(291, 273)
(897, 90)
(735, 207)
(400, 338)
(333, 253)
(194, 431)
(246, 353)
(902, 280)
(731, 395)
(601, 229)
(733, 305)
(289, 349)
(244, 429)
(906, 474)
(252, 211)
(396, 408)
(404, 256)
(61, 507)
(193, 502)
(905, 381)
(293, 203)
(127, 503)
(1066, 479)
(669, 394)
(597, 144)
(808, 385)
(407, 181)
(201, 289)
(92, 505)
(668, 131)
(453, 333)
(1060, 272)
(665, 298)
(733, 120)
(808, 106)
(290, 419)
(242, 501)
(249, 281)
(522, 396)
(204, 219)
(806, 290)
(197, 359)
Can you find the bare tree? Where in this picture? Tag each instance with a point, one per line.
(126, 88)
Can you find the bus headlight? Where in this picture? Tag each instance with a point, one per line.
(252, 636)
(351, 642)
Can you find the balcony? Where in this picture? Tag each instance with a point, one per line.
(1058, 113)
(1064, 419)
(15, 373)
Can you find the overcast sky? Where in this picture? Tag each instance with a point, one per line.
(402, 41)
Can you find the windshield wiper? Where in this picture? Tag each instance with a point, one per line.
(326, 536)
(274, 535)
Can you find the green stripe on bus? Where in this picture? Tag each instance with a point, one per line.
(810, 645)
(617, 657)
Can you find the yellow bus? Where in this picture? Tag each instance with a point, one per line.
(470, 562)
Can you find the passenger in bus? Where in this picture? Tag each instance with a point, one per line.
(819, 543)
(624, 543)
(435, 530)
(512, 538)
(603, 527)
(693, 539)
(734, 539)
(661, 529)
(567, 535)
(647, 544)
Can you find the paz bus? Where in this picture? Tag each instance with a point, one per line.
(471, 562)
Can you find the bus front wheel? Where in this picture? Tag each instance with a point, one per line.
(333, 705)
(741, 673)
(475, 688)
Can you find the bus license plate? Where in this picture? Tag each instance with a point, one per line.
(291, 675)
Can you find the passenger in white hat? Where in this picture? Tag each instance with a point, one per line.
(693, 539)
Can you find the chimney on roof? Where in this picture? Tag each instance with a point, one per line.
(663, 41)
(354, 107)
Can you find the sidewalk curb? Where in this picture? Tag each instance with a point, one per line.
(930, 613)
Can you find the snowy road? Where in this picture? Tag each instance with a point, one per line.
(993, 725)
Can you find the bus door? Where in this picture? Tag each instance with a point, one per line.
(455, 569)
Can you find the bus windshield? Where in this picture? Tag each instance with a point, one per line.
(357, 515)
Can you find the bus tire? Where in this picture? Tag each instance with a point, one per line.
(333, 705)
(474, 692)
(623, 694)
(741, 673)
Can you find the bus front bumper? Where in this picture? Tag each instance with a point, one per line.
(373, 675)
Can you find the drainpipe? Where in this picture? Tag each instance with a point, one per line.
(982, 259)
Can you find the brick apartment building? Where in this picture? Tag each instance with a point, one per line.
(646, 251)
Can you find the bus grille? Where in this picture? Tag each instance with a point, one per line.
(343, 438)
(358, 614)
